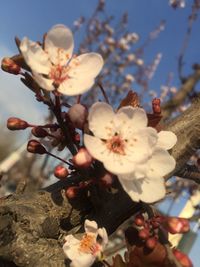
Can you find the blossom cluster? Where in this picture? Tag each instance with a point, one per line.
(121, 141)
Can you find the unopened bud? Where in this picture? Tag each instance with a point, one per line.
(16, 124)
(176, 225)
(61, 172)
(144, 234)
(38, 131)
(151, 243)
(182, 258)
(35, 147)
(156, 106)
(9, 65)
(82, 159)
(139, 220)
(78, 115)
(72, 192)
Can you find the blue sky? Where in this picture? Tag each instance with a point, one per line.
(33, 18)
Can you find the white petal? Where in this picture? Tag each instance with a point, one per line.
(71, 247)
(160, 164)
(95, 147)
(90, 226)
(100, 120)
(146, 190)
(35, 56)
(113, 162)
(86, 66)
(59, 44)
(166, 139)
(44, 83)
(75, 86)
(137, 116)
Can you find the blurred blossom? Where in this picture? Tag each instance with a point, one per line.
(129, 78)
(177, 3)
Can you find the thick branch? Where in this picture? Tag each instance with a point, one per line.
(171, 105)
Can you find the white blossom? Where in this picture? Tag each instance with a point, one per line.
(128, 148)
(55, 67)
(177, 3)
(84, 252)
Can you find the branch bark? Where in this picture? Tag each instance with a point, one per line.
(33, 224)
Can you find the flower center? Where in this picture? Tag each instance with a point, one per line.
(59, 74)
(116, 144)
(89, 245)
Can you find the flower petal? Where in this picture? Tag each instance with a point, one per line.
(44, 83)
(141, 189)
(83, 260)
(160, 164)
(166, 139)
(59, 44)
(113, 162)
(35, 56)
(86, 66)
(90, 226)
(137, 116)
(72, 86)
(100, 120)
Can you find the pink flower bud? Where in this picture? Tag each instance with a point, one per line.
(9, 65)
(144, 234)
(38, 131)
(78, 115)
(82, 159)
(176, 225)
(139, 220)
(35, 147)
(61, 172)
(16, 124)
(182, 258)
(151, 243)
(72, 192)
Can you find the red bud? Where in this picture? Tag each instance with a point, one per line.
(16, 124)
(176, 225)
(71, 192)
(61, 172)
(9, 65)
(144, 234)
(139, 220)
(182, 258)
(156, 106)
(34, 146)
(151, 243)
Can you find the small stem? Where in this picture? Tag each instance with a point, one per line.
(78, 99)
(56, 157)
(106, 263)
(103, 93)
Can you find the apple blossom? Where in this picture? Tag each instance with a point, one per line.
(122, 140)
(54, 67)
(84, 252)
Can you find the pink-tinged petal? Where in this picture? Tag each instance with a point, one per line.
(86, 66)
(166, 139)
(44, 83)
(72, 86)
(59, 44)
(100, 120)
(160, 164)
(90, 227)
(137, 116)
(146, 190)
(35, 56)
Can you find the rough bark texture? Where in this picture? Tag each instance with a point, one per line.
(32, 224)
